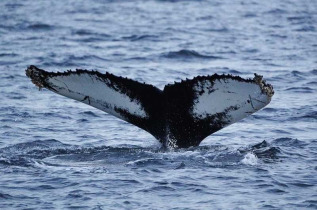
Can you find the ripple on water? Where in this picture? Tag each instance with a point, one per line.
(40, 27)
(53, 152)
(187, 54)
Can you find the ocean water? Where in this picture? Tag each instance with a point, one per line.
(56, 153)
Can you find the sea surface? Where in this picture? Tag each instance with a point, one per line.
(56, 153)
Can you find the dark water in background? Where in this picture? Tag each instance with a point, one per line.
(58, 153)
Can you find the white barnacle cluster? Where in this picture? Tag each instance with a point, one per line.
(35, 75)
(266, 88)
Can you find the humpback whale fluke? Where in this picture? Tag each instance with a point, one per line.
(181, 115)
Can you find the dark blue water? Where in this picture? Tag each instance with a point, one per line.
(58, 153)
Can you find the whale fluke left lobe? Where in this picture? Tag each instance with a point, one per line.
(124, 98)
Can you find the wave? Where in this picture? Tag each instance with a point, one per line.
(89, 114)
(5, 196)
(235, 72)
(264, 151)
(314, 72)
(85, 32)
(277, 11)
(40, 26)
(141, 37)
(185, 54)
(8, 55)
(302, 115)
(84, 35)
(301, 89)
(289, 142)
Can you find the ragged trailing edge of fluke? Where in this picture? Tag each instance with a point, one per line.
(38, 75)
(181, 115)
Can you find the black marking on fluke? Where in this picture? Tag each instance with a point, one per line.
(168, 115)
(86, 98)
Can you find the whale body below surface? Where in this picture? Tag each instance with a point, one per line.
(180, 115)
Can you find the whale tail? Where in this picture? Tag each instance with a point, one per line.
(181, 115)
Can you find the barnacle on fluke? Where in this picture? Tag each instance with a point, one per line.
(181, 115)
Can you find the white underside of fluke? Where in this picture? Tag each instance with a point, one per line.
(97, 92)
(237, 99)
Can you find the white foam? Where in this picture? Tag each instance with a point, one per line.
(250, 159)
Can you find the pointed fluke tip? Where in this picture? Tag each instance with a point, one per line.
(266, 88)
(35, 74)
